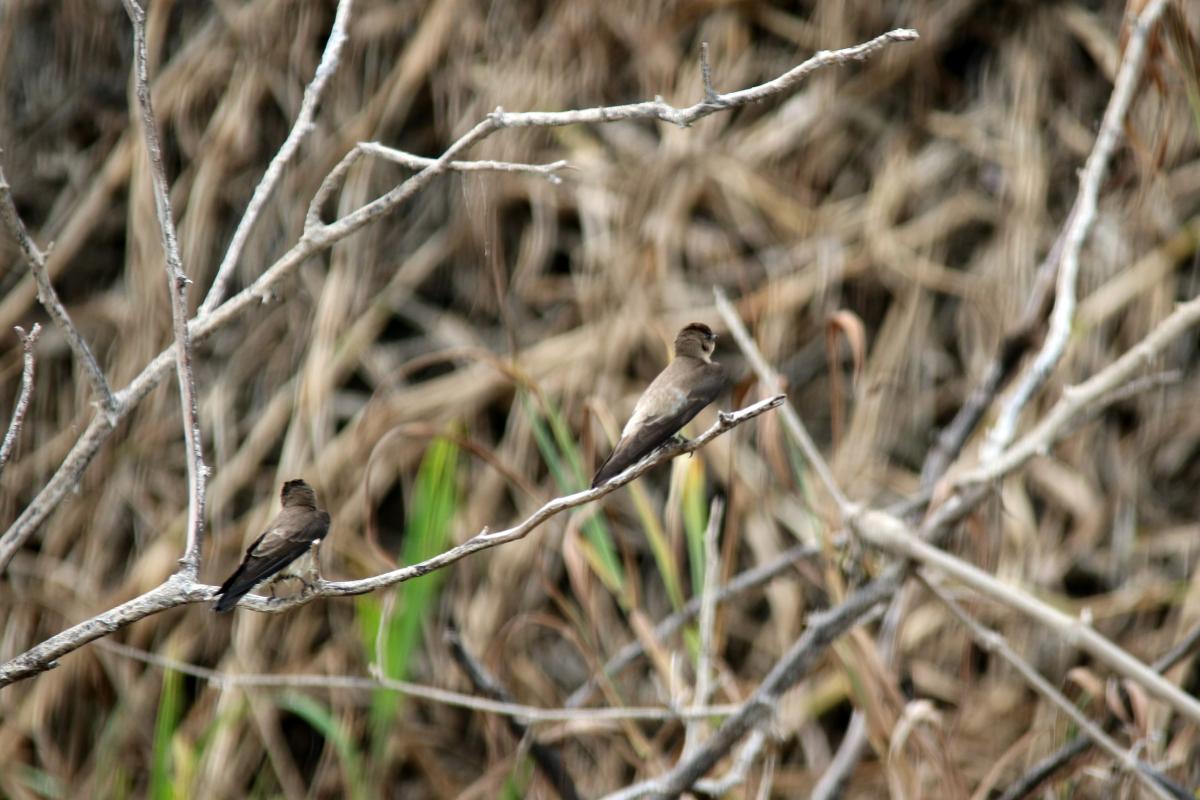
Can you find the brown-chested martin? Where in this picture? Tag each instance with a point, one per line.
(296, 528)
(690, 382)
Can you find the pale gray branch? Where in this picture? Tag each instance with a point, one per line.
(181, 589)
(28, 340)
(891, 534)
(300, 130)
(525, 713)
(102, 394)
(1092, 393)
(547, 171)
(318, 237)
(177, 286)
(1079, 224)
(993, 642)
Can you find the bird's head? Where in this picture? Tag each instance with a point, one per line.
(696, 340)
(298, 493)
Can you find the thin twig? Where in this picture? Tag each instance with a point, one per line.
(530, 714)
(318, 238)
(545, 757)
(303, 125)
(668, 626)
(736, 776)
(1093, 392)
(891, 534)
(177, 286)
(547, 171)
(181, 589)
(993, 642)
(1075, 232)
(1042, 770)
(710, 94)
(770, 380)
(23, 394)
(101, 392)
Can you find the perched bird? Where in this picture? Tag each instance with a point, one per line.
(690, 382)
(296, 528)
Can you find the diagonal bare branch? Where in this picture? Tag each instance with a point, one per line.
(101, 393)
(303, 125)
(1075, 232)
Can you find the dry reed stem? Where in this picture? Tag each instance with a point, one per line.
(708, 618)
(1085, 396)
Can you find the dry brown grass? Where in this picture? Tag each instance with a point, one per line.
(918, 191)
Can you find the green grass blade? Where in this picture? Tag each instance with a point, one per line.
(323, 721)
(664, 554)
(435, 499)
(695, 520)
(561, 454)
(169, 701)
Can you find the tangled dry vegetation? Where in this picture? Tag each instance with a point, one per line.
(462, 360)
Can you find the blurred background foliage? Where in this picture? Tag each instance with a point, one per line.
(470, 356)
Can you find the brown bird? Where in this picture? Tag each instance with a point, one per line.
(296, 528)
(690, 382)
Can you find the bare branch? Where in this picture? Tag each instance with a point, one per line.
(1094, 392)
(318, 237)
(176, 590)
(547, 171)
(668, 626)
(23, 395)
(891, 534)
(532, 715)
(683, 117)
(710, 94)
(1039, 772)
(1079, 224)
(300, 130)
(181, 588)
(993, 642)
(486, 539)
(177, 285)
(48, 297)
